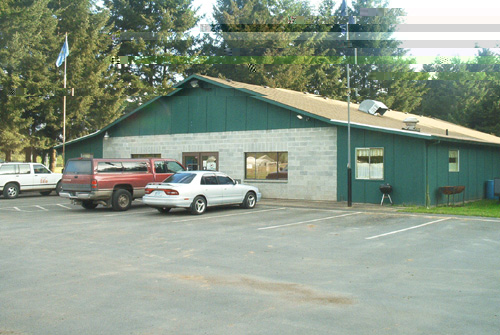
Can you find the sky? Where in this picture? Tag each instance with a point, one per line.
(432, 12)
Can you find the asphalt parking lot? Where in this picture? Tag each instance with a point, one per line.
(276, 269)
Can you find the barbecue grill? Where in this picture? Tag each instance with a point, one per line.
(386, 189)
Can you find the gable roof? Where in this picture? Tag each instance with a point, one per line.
(333, 112)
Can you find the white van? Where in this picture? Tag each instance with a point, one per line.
(19, 177)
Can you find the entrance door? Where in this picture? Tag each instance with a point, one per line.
(208, 161)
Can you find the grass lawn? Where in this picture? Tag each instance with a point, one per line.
(488, 208)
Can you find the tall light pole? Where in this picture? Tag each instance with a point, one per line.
(343, 12)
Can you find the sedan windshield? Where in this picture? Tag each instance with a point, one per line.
(180, 178)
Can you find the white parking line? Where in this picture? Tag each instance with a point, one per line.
(41, 208)
(402, 230)
(64, 206)
(221, 216)
(148, 210)
(315, 220)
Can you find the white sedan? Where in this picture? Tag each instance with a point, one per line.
(197, 190)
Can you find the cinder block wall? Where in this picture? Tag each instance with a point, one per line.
(312, 156)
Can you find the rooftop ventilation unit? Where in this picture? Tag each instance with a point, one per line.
(373, 107)
(411, 123)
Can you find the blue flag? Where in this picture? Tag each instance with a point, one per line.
(343, 8)
(64, 53)
(343, 12)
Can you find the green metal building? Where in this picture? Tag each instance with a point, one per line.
(294, 145)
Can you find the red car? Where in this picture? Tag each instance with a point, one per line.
(113, 182)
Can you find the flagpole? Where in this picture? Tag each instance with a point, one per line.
(64, 109)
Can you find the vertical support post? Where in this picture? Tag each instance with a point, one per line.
(349, 170)
(64, 111)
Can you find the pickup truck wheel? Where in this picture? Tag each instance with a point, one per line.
(164, 209)
(88, 205)
(58, 187)
(11, 191)
(122, 200)
(198, 206)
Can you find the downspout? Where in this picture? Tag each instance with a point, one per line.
(427, 190)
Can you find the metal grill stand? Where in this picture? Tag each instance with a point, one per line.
(385, 189)
(383, 197)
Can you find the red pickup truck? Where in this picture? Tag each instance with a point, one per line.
(113, 182)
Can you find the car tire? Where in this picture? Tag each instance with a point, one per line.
(58, 187)
(11, 191)
(122, 200)
(164, 210)
(198, 206)
(89, 205)
(249, 201)
(45, 192)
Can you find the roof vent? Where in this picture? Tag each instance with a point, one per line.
(373, 107)
(411, 123)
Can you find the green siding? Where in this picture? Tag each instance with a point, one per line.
(92, 145)
(477, 164)
(180, 119)
(236, 113)
(413, 166)
(197, 114)
(146, 122)
(403, 167)
(163, 119)
(208, 109)
(216, 114)
(256, 115)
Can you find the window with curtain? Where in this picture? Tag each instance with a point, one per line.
(370, 163)
(453, 162)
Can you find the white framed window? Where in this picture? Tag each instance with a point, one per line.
(370, 163)
(454, 160)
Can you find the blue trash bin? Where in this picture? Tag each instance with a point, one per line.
(490, 190)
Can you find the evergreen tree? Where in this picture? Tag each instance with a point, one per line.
(281, 59)
(483, 110)
(99, 88)
(381, 73)
(153, 31)
(466, 93)
(27, 43)
(326, 78)
(32, 36)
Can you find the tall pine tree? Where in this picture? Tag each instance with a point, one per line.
(27, 46)
(153, 31)
(381, 73)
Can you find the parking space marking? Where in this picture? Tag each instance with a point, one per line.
(64, 206)
(405, 229)
(220, 216)
(148, 210)
(12, 209)
(308, 221)
(41, 208)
